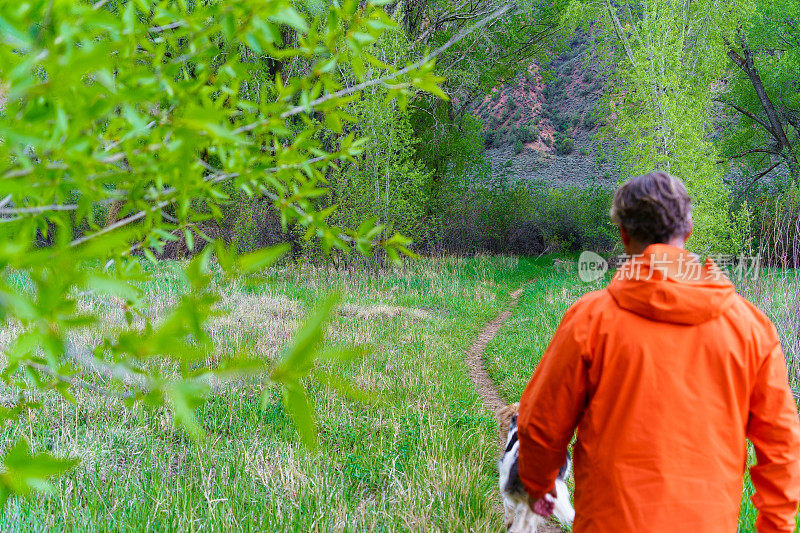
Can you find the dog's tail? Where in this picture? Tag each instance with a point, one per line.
(563, 510)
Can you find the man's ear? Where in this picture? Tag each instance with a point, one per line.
(623, 234)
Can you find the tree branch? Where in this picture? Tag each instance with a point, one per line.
(77, 383)
(747, 66)
(619, 31)
(748, 114)
(755, 151)
(119, 223)
(455, 39)
(758, 177)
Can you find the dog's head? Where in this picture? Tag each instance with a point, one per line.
(504, 417)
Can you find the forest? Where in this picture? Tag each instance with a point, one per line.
(246, 245)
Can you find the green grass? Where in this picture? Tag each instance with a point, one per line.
(422, 459)
(514, 353)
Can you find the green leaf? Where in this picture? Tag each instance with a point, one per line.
(185, 397)
(299, 357)
(336, 383)
(430, 84)
(112, 286)
(24, 472)
(263, 258)
(13, 35)
(226, 256)
(295, 400)
(289, 16)
(187, 233)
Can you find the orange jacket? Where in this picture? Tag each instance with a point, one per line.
(664, 378)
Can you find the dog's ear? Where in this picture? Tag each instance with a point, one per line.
(504, 416)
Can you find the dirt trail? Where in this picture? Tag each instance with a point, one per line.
(484, 383)
(477, 373)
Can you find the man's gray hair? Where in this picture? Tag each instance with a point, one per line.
(653, 208)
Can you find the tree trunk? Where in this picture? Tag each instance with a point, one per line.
(775, 128)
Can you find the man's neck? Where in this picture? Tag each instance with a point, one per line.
(637, 248)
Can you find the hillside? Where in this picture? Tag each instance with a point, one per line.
(541, 126)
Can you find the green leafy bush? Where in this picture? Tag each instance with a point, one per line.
(565, 146)
(527, 134)
(575, 219)
(131, 126)
(530, 220)
(518, 147)
(489, 138)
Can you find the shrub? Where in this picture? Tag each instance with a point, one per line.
(576, 119)
(575, 219)
(527, 134)
(502, 133)
(548, 141)
(518, 146)
(512, 104)
(584, 150)
(518, 115)
(565, 146)
(499, 138)
(488, 138)
(530, 220)
(530, 78)
(589, 121)
(775, 226)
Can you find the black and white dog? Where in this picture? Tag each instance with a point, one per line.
(519, 516)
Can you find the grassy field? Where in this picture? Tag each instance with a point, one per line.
(421, 459)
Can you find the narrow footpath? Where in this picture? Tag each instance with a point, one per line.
(484, 383)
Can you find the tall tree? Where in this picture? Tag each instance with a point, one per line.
(666, 56)
(763, 92)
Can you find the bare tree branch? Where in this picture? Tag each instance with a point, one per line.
(620, 32)
(74, 382)
(746, 113)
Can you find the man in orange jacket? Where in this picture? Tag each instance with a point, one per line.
(664, 374)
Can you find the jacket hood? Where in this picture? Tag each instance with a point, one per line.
(669, 284)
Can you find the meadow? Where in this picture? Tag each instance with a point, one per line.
(421, 457)
(418, 454)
